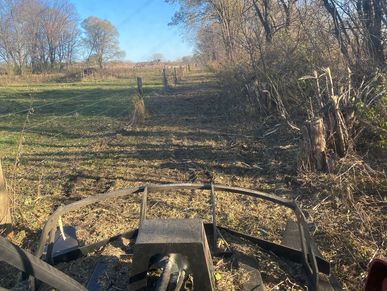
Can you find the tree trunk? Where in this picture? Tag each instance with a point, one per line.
(100, 62)
(372, 15)
(339, 28)
(5, 206)
(263, 17)
(313, 148)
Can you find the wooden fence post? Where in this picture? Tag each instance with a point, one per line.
(175, 76)
(5, 206)
(165, 79)
(181, 73)
(139, 87)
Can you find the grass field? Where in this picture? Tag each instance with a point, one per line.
(47, 131)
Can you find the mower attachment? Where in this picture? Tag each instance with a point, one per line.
(182, 249)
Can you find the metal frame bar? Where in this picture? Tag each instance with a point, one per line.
(280, 250)
(213, 206)
(309, 256)
(144, 205)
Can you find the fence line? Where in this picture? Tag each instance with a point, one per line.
(69, 113)
(43, 105)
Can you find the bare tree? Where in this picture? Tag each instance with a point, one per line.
(204, 13)
(157, 58)
(267, 46)
(59, 26)
(37, 33)
(359, 26)
(101, 39)
(14, 24)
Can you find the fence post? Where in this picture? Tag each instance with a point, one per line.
(165, 79)
(139, 87)
(5, 206)
(175, 76)
(181, 73)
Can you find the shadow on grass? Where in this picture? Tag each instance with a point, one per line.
(57, 102)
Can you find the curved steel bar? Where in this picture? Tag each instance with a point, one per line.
(306, 242)
(248, 192)
(52, 221)
(307, 247)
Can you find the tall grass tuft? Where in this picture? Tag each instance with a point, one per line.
(138, 113)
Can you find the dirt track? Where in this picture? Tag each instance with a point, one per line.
(187, 137)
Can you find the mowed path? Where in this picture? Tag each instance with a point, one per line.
(186, 137)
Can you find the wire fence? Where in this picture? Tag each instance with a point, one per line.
(158, 79)
(41, 106)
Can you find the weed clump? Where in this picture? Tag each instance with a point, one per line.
(137, 109)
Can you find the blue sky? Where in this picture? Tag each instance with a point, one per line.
(143, 26)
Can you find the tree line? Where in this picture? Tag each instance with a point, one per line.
(249, 30)
(319, 61)
(42, 36)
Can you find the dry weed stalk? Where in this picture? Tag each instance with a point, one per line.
(352, 214)
(267, 96)
(5, 207)
(339, 113)
(19, 153)
(138, 110)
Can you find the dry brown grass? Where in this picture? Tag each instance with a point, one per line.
(349, 210)
(138, 109)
